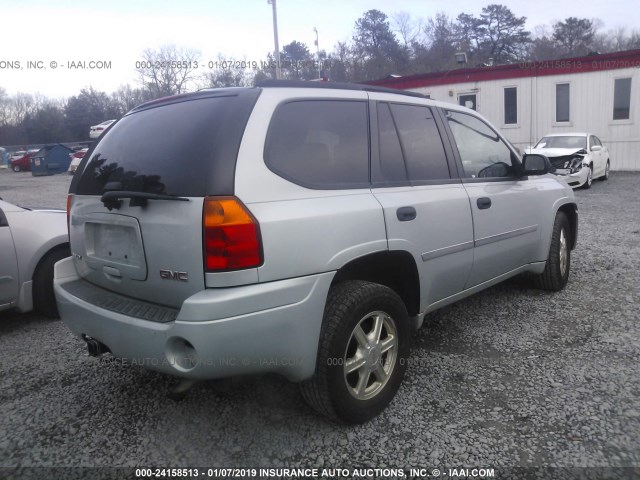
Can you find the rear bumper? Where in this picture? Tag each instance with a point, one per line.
(271, 327)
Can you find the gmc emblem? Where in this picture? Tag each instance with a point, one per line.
(171, 275)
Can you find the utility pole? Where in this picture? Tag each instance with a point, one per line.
(318, 53)
(275, 37)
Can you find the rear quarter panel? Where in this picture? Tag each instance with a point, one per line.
(34, 234)
(304, 231)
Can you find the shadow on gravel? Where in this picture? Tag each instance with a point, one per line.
(11, 321)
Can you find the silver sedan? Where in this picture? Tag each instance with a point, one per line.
(31, 242)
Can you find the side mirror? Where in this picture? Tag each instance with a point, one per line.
(534, 164)
(596, 148)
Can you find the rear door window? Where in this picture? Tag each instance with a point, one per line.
(410, 146)
(186, 148)
(321, 144)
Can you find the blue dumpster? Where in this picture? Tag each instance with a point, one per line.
(51, 159)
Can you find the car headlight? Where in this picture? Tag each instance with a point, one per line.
(576, 165)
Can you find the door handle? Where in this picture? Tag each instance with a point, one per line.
(483, 203)
(406, 214)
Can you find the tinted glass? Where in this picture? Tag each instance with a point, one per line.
(622, 99)
(421, 143)
(510, 105)
(320, 143)
(562, 102)
(392, 168)
(187, 149)
(483, 153)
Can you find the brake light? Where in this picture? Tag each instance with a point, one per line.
(69, 203)
(231, 235)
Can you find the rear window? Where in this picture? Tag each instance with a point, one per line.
(320, 143)
(188, 148)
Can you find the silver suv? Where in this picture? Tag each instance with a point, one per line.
(299, 228)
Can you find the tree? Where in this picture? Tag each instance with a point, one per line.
(23, 104)
(88, 108)
(439, 50)
(47, 125)
(375, 43)
(227, 77)
(297, 62)
(407, 28)
(341, 62)
(4, 107)
(497, 34)
(125, 98)
(574, 36)
(168, 71)
(503, 36)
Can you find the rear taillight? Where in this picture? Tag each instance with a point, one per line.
(69, 203)
(231, 235)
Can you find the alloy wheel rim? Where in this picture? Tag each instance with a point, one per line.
(371, 355)
(590, 176)
(564, 253)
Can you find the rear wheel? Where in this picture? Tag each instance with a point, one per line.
(606, 172)
(362, 353)
(556, 272)
(44, 300)
(16, 168)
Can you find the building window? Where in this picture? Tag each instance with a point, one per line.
(510, 105)
(622, 99)
(562, 102)
(468, 101)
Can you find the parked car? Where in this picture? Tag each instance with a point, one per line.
(31, 242)
(577, 157)
(18, 154)
(305, 230)
(96, 130)
(76, 158)
(23, 163)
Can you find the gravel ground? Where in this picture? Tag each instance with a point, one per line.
(512, 377)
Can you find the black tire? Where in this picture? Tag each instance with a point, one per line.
(16, 168)
(606, 171)
(555, 276)
(589, 181)
(44, 301)
(331, 391)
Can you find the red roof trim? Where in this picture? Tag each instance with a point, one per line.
(591, 63)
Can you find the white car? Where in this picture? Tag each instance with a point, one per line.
(578, 157)
(31, 242)
(96, 130)
(76, 158)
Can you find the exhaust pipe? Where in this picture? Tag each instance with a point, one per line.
(94, 347)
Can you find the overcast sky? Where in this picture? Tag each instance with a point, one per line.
(118, 31)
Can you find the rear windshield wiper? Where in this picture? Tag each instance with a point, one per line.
(112, 199)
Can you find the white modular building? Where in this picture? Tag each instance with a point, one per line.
(599, 94)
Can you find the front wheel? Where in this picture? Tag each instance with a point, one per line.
(364, 344)
(606, 172)
(589, 180)
(556, 271)
(16, 168)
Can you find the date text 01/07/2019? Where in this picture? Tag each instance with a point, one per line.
(230, 64)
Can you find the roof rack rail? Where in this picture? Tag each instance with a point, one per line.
(336, 86)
